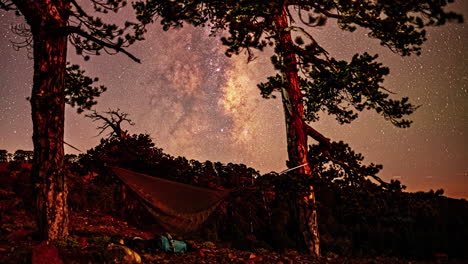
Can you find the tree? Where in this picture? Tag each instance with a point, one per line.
(4, 157)
(23, 155)
(310, 81)
(51, 25)
(113, 120)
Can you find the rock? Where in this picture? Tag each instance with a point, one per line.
(121, 255)
(45, 253)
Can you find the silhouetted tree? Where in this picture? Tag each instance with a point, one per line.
(4, 155)
(112, 119)
(51, 25)
(23, 155)
(135, 152)
(311, 81)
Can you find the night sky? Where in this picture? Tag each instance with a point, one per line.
(196, 102)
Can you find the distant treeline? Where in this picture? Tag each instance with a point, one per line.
(19, 155)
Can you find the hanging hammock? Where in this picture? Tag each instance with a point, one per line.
(177, 207)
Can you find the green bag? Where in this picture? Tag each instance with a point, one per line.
(167, 244)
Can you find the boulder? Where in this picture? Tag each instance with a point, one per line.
(120, 254)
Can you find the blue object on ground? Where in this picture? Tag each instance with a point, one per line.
(167, 244)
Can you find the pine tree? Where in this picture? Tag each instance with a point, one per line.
(51, 26)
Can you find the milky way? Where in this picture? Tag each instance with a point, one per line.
(196, 102)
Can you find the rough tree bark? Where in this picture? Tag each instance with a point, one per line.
(47, 19)
(48, 116)
(296, 132)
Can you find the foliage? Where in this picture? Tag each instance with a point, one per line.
(79, 89)
(67, 242)
(342, 165)
(132, 152)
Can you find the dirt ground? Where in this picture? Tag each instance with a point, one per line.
(91, 235)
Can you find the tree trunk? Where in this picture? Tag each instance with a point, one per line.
(48, 105)
(295, 132)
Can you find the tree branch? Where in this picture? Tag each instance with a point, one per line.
(331, 15)
(324, 141)
(79, 31)
(7, 5)
(95, 116)
(114, 120)
(79, 9)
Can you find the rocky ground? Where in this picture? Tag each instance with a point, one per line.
(99, 238)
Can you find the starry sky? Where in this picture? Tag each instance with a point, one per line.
(196, 102)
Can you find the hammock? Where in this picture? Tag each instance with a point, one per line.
(178, 207)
